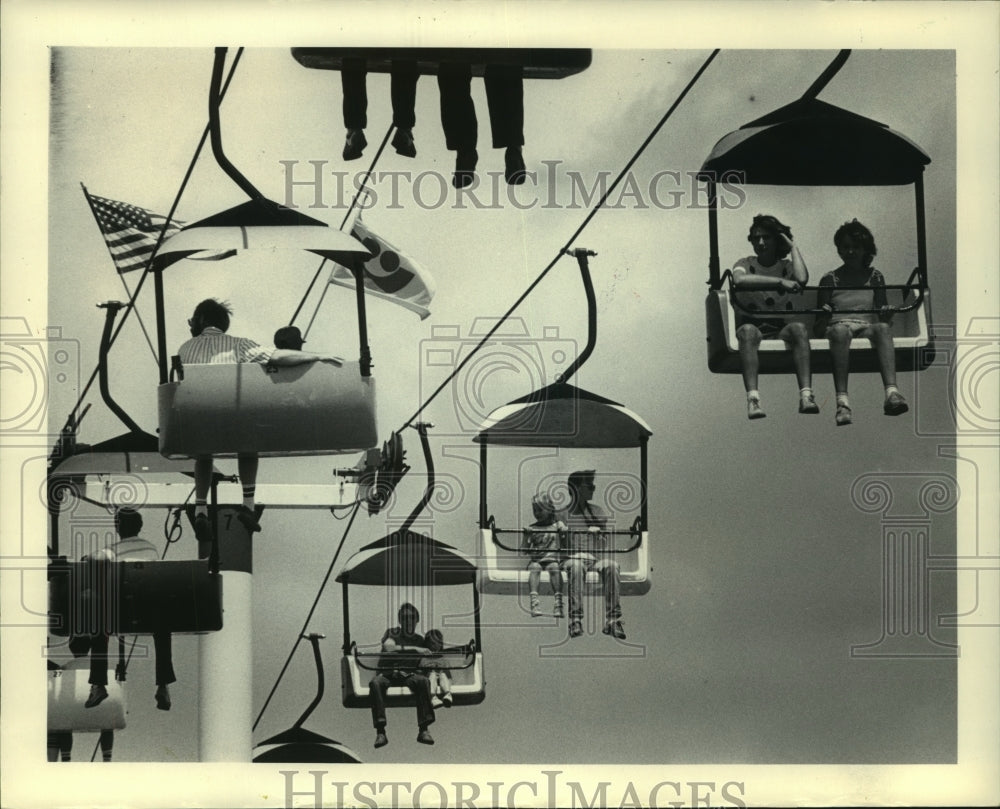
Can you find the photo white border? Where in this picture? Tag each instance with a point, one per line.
(30, 27)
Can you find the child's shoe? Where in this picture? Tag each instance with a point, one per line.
(557, 610)
(895, 404)
(754, 410)
(436, 701)
(843, 415)
(536, 607)
(807, 404)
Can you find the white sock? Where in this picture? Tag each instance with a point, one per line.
(842, 400)
(753, 394)
(805, 392)
(891, 389)
(200, 508)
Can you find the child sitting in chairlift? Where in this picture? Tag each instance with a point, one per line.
(543, 541)
(437, 670)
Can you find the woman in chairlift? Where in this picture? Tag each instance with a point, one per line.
(855, 285)
(764, 281)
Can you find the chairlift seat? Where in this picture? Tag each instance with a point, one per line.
(68, 690)
(536, 63)
(227, 410)
(503, 572)
(358, 668)
(183, 597)
(910, 333)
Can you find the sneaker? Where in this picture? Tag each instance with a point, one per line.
(381, 740)
(402, 142)
(895, 404)
(536, 607)
(355, 144)
(436, 702)
(843, 415)
(162, 698)
(615, 629)
(448, 700)
(514, 172)
(465, 168)
(98, 693)
(249, 520)
(202, 528)
(754, 410)
(425, 738)
(557, 610)
(807, 404)
(575, 629)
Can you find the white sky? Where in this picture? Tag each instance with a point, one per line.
(765, 573)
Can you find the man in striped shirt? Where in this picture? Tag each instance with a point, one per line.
(210, 344)
(130, 547)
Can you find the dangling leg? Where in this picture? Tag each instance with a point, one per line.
(353, 80)
(163, 649)
(611, 582)
(748, 337)
(458, 119)
(107, 742)
(376, 690)
(505, 99)
(797, 340)
(839, 336)
(534, 580)
(247, 466)
(556, 580)
(403, 91)
(881, 340)
(576, 572)
(98, 671)
(203, 469)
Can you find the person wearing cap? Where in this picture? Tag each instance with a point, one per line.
(289, 337)
(130, 547)
(210, 344)
(402, 640)
(586, 548)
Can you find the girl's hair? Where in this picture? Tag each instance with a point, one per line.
(542, 506)
(774, 226)
(858, 234)
(434, 639)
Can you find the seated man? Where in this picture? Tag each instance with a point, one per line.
(129, 548)
(209, 343)
(585, 543)
(402, 639)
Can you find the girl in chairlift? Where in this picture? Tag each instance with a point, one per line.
(435, 668)
(543, 540)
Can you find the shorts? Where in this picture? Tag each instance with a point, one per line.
(769, 329)
(858, 328)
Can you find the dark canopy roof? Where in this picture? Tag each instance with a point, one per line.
(562, 415)
(408, 558)
(260, 224)
(810, 142)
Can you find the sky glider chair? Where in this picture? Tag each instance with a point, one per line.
(300, 745)
(812, 143)
(561, 415)
(226, 410)
(402, 560)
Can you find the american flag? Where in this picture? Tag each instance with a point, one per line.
(131, 233)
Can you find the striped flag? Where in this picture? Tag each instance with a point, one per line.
(131, 233)
(388, 273)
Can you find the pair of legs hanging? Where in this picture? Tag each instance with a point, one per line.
(403, 94)
(505, 99)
